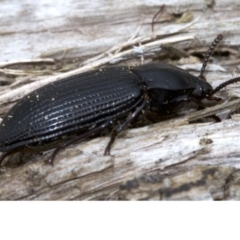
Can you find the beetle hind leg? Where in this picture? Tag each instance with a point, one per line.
(79, 138)
(122, 126)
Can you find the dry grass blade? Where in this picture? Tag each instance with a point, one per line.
(16, 94)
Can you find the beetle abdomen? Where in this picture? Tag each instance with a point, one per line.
(69, 105)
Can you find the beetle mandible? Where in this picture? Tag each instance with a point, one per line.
(78, 107)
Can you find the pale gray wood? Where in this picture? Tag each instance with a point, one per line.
(82, 28)
(82, 172)
(179, 154)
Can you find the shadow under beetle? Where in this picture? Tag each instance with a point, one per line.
(78, 107)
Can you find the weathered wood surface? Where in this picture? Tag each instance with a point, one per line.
(168, 160)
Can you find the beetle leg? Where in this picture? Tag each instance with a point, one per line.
(121, 127)
(199, 103)
(81, 137)
(213, 98)
(201, 106)
(215, 117)
(4, 155)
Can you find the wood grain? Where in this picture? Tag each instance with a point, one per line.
(170, 160)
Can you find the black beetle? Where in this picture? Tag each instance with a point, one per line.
(77, 107)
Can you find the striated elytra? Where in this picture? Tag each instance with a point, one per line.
(75, 108)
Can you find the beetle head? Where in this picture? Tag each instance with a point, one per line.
(202, 89)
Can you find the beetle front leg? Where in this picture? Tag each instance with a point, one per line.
(121, 127)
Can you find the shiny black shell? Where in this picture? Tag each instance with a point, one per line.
(80, 103)
(70, 105)
(164, 76)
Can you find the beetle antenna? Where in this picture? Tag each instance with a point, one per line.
(223, 85)
(208, 54)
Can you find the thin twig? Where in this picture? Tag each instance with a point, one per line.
(27, 61)
(21, 91)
